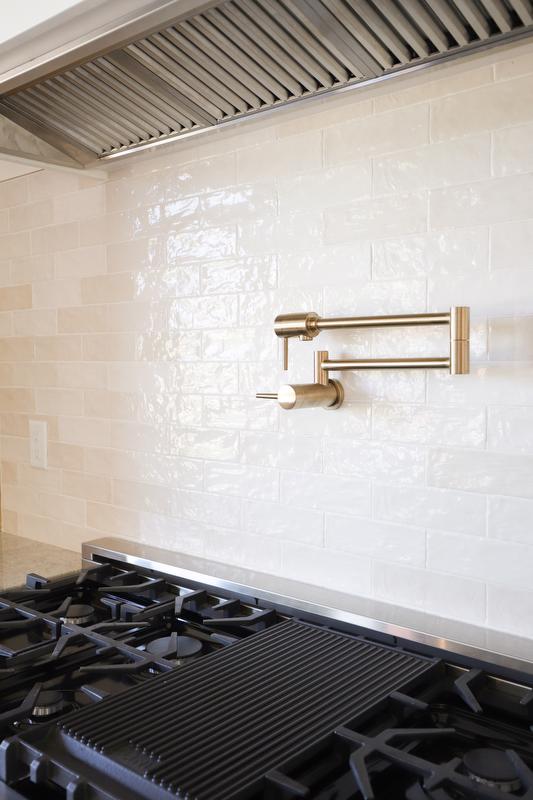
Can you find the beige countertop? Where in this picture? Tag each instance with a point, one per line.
(19, 556)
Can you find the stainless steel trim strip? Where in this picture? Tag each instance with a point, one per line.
(217, 575)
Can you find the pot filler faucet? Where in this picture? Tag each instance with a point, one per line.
(327, 393)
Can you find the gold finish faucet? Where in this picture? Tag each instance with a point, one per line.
(328, 393)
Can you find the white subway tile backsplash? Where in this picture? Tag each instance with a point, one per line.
(136, 317)
(428, 507)
(510, 609)
(15, 245)
(483, 559)
(31, 215)
(239, 275)
(206, 444)
(509, 518)
(433, 425)
(488, 201)
(520, 63)
(334, 570)
(325, 265)
(288, 156)
(283, 522)
(496, 473)
(439, 164)
(353, 421)
(326, 187)
(326, 492)
(511, 338)
(389, 215)
(239, 413)
(383, 133)
(281, 450)
(242, 480)
(208, 378)
(511, 429)
(240, 548)
(513, 150)
(239, 344)
(398, 386)
(495, 105)
(379, 540)
(504, 383)
(375, 460)
(376, 297)
(511, 245)
(465, 77)
(300, 231)
(80, 262)
(443, 595)
(200, 244)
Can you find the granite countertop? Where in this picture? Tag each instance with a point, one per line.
(19, 556)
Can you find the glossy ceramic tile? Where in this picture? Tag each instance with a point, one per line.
(136, 319)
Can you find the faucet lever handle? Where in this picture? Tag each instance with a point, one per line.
(267, 395)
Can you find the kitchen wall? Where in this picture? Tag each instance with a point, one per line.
(136, 319)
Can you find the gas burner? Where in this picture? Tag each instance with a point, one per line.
(174, 646)
(492, 767)
(49, 703)
(78, 614)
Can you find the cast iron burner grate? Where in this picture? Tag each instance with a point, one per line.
(212, 730)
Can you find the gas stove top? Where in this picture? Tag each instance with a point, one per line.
(137, 681)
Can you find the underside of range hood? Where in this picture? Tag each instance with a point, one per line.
(229, 60)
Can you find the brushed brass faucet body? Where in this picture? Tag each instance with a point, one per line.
(328, 393)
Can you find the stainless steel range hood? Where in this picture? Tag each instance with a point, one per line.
(188, 66)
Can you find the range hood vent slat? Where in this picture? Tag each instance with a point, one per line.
(233, 58)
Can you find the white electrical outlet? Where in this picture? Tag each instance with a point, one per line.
(38, 443)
